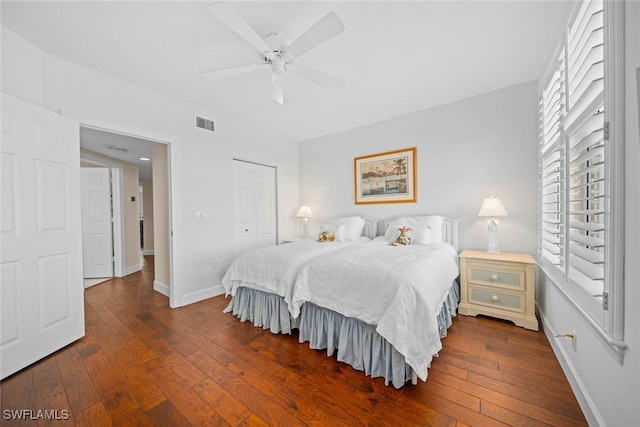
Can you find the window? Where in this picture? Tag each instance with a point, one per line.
(580, 168)
(552, 109)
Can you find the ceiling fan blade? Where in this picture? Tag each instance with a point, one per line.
(315, 76)
(229, 17)
(321, 31)
(233, 71)
(277, 93)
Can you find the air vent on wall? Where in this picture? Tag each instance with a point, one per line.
(203, 123)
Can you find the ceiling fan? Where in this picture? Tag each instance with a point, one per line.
(276, 53)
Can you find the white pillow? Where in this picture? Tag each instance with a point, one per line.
(424, 229)
(353, 226)
(434, 222)
(338, 229)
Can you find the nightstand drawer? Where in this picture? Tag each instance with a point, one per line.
(492, 298)
(496, 277)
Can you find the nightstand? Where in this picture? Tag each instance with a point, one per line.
(498, 285)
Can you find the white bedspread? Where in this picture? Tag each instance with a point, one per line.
(400, 289)
(273, 269)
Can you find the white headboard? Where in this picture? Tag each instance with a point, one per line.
(370, 229)
(449, 229)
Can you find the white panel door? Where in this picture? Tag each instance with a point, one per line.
(41, 291)
(97, 240)
(254, 206)
(244, 206)
(266, 221)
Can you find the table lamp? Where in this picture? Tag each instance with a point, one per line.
(492, 208)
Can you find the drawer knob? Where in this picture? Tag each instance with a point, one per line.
(494, 277)
(494, 298)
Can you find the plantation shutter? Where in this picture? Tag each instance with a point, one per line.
(552, 109)
(586, 148)
(581, 237)
(585, 66)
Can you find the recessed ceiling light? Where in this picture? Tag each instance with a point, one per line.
(146, 159)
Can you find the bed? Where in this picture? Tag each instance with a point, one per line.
(382, 308)
(261, 280)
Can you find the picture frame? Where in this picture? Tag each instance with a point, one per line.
(389, 177)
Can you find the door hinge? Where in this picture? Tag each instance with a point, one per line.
(605, 130)
(605, 300)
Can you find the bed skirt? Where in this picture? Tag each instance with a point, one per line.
(265, 310)
(357, 343)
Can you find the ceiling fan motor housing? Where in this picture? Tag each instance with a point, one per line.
(277, 42)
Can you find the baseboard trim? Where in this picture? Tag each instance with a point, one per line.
(94, 281)
(582, 395)
(132, 269)
(147, 252)
(161, 288)
(201, 295)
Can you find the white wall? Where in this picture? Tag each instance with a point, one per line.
(161, 219)
(466, 151)
(21, 68)
(609, 392)
(147, 215)
(131, 217)
(202, 160)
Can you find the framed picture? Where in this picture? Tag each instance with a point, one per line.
(389, 177)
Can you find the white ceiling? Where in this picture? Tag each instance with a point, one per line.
(395, 57)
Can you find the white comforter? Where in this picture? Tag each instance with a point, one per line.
(273, 269)
(398, 288)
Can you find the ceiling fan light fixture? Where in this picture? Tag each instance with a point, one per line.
(277, 93)
(278, 67)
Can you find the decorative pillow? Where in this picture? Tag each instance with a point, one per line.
(353, 226)
(424, 229)
(337, 229)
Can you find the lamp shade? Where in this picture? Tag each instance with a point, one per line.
(305, 212)
(491, 206)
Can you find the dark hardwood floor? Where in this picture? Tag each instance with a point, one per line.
(142, 363)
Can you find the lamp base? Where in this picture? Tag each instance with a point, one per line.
(493, 237)
(305, 228)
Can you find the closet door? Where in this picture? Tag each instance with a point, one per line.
(255, 218)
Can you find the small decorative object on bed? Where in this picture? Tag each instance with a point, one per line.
(327, 236)
(403, 238)
(386, 177)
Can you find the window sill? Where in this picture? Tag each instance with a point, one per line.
(615, 346)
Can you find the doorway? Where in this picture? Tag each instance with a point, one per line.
(134, 160)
